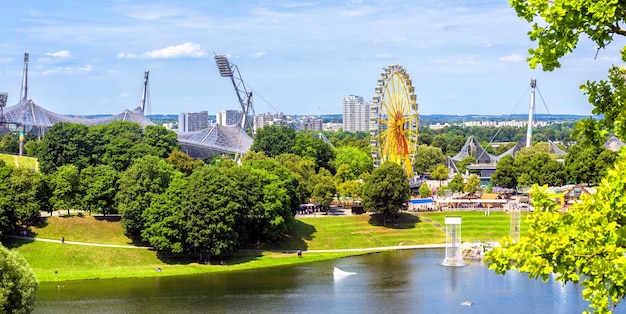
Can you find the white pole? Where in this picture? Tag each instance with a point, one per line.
(529, 132)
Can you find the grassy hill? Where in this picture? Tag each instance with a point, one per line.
(54, 261)
(20, 161)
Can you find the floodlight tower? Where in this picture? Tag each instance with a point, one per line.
(231, 70)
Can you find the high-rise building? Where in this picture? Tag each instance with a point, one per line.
(356, 114)
(229, 117)
(193, 121)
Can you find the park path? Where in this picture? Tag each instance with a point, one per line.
(372, 249)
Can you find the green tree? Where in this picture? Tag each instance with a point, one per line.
(99, 186)
(183, 162)
(505, 175)
(588, 164)
(359, 161)
(456, 184)
(427, 158)
(65, 143)
(26, 187)
(386, 190)
(274, 140)
(585, 244)
(18, 285)
(324, 191)
(32, 147)
(473, 185)
(66, 193)
(316, 149)
(425, 190)
(263, 205)
(351, 188)
(210, 213)
(9, 144)
(440, 173)
(462, 165)
(439, 141)
(455, 145)
(165, 141)
(146, 178)
(164, 221)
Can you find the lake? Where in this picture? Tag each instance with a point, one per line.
(409, 281)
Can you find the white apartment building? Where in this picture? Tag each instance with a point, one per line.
(356, 114)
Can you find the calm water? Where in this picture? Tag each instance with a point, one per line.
(393, 282)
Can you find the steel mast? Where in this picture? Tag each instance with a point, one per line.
(231, 70)
(529, 132)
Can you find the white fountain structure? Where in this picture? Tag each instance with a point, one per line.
(453, 242)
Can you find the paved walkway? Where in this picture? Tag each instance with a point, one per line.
(371, 249)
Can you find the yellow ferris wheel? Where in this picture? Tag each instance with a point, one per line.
(394, 119)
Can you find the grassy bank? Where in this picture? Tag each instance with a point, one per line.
(54, 261)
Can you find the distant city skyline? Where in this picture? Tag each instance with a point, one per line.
(463, 57)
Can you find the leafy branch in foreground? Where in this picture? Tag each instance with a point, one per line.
(585, 245)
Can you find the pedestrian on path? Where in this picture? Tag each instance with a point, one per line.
(62, 239)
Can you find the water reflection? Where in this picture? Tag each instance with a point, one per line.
(391, 282)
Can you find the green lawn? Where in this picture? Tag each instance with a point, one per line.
(476, 226)
(59, 262)
(20, 161)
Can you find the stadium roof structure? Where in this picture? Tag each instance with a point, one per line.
(202, 144)
(219, 138)
(27, 113)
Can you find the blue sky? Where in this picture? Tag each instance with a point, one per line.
(300, 57)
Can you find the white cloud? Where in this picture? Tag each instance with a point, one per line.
(59, 54)
(186, 50)
(512, 58)
(69, 70)
(124, 95)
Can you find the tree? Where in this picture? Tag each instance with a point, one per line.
(324, 191)
(585, 244)
(146, 178)
(351, 188)
(65, 143)
(164, 221)
(455, 145)
(210, 213)
(358, 161)
(9, 144)
(274, 140)
(425, 190)
(456, 184)
(26, 187)
(440, 173)
(316, 149)
(386, 190)
(505, 175)
(18, 285)
(164, 140)
(466, 161)
(99, 186)
(588, 164)
(439, 141)
(183, 162)
(473, 185)
(427, 158)
(66, 192)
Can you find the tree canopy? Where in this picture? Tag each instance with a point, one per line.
(586, 244)
(18, 285)
(387, 190)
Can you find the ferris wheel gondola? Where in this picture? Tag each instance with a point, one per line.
(394, 119)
